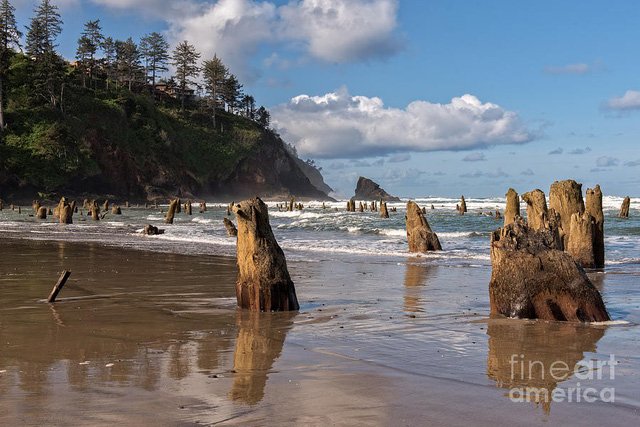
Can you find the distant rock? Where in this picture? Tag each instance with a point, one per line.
(368, 190)
(532, 280)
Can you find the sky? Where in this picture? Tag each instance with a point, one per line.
(425, 97)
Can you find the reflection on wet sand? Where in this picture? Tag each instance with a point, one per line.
(529, 356)
(260, 340)
(415, 277)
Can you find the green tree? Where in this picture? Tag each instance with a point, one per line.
(154, 50)
(48, 68)
(88, 45)
(248, 106)
(215, 75)
(9, 38)
(109, 52)
(232, 93)
(263, 117)
(128, 61)
(185, 58)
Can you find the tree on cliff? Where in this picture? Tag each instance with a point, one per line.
(185, 58)
(48, 67)
(232, 93)
(9, 38)
(127, 61)
(215, 76)
(108, 62)
(154, 49)
(263, 117)
(88, 45)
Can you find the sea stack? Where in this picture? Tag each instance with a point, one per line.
(232, 231)
(263, 282)
(512, 210)
(624, 209)
(419, 235)
(367, 190)
(593, 205)
(532, 280)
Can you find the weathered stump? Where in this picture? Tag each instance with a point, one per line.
(512, 210)
(624, 209)
(593, 206)
(565, 197)
(94, 209)
(171, 212)
(419, 234)
(65, 212)
(263, 282)
(232, 231)
(41, 213)
(384, 212)
(187, 207)
(581, 236)
(105, 206)
(115, 210)
(530, 279)
(463, 206)
(151, 230)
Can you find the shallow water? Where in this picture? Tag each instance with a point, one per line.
(154, 338)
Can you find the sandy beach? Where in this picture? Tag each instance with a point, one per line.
(144, 338)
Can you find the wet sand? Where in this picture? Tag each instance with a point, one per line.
(142, 338)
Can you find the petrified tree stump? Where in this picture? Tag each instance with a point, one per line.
(512, 210)
(203, 207)
(232, 231)
(384, 212)
(263, 282)
(171, 212)
(65, 212)
(463, 206)
(115, 210)
(530, 279)
(565, 197)
(187, 207)
(41, 213)
(580, 244)
(593, 206)
(537, 212)
(419, 235)
(624, 209)
(105, 207)
(94, 209)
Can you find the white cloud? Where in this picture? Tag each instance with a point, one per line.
(606, 161)
(489, 174)
(629, 101)
(569, 69)
(338, 125)
(327, 30)
(342, 30)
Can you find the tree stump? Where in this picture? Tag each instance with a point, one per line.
(263, 282)
(531, 279)
(512, 210)
(593, 206)
(384, 212)
(171, 212)
(419, 234)
(232, 231)
(624, 209)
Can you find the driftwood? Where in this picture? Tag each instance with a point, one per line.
(58, 286)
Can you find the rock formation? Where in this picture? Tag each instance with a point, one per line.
(263, 282)
(384, 212)
(530, 279)
(512, 210)
(419, 235)
(171, 212)
(624, 209)
(593, 206)
(232, 231)
(367, 189)
(565, 197)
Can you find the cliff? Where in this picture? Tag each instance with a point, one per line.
(369, 190)
(125, 146)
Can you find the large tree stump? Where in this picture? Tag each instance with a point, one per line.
(94, 209)
(263, 282)
(419, 234)
(65, 212)
(171, 212)
(624, 209)
(593, 206)
(232, 231)
(565, 197)
(537, 212)
(530, 279)
(512, 210)
(580, 244)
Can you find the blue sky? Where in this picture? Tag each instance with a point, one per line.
(426, 97)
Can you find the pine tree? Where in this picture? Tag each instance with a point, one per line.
(128, 61)
(9, 38)
(249, 106)
(231, 92)
(263, 117)
(88, 45)
(155, 51)
(215, 75)
(49, 68)
(108, 47)
(185, 59)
